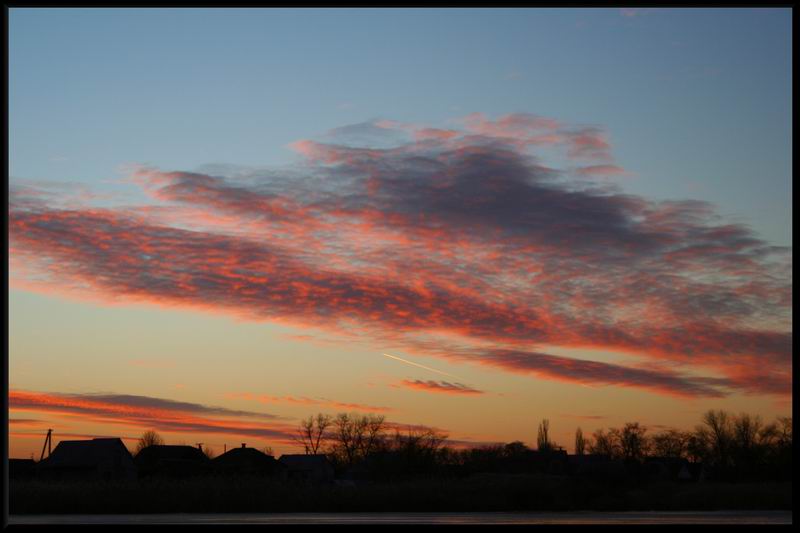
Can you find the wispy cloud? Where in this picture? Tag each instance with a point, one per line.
(584, 417)
(303, 400)
(443, 387)
(57, 437)
(457, 232)
(592, 373)
(602, 171)
(153, 413)
(26, 422)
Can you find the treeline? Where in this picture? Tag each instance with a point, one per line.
(729, 448)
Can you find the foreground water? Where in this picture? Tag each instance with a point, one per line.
(652, 517)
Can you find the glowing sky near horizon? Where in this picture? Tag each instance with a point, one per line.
(583, 214)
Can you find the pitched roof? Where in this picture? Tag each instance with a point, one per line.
(246, 456)
(86, 453)
(165, 452)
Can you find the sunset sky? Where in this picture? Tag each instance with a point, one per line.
(224, 220)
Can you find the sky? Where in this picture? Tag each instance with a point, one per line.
(222, 221)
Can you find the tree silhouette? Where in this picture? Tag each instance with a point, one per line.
(717, 435)
(313, 432)
(751, 449)
(148, 438)
(580, 442)
(670, 443)
(543, 443)
(515, 449)
(633, 442)
(354, 436)
(603, 444)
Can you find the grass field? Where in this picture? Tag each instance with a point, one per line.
(478, 493)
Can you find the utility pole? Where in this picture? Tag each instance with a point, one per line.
(47, 442)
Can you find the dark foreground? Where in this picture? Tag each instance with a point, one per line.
(575, 517)
(492, 494)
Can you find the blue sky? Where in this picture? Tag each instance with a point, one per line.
(697, 102)
(283, 290)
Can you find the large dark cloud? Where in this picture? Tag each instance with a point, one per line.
(461, 232)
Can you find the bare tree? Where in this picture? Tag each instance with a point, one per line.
(719, 435)
(426, 439)
(268, 450)
(696, 447)
(580, 442)
(785, 431)
(633, 442)
(543, 440)
(670, 443)
(754, 443)
(746, 432)
(148, 438)
(603, 444)
(374, 426)
(345, 436)
(313, 432)
(354, 436)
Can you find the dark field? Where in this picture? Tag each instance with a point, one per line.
(484, 493)
(491, 518)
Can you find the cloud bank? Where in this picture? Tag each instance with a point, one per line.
(458, 243)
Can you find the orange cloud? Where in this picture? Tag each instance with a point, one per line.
(443, 387)
(302, 400)
(151, 413)
(455, 232)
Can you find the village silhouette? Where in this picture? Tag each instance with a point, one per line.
(350, 458)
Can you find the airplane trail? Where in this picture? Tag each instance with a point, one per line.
(421, 366)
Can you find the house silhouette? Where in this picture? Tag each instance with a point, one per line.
(171, 461)
(96, 459)
(248, 461)
(21, 468)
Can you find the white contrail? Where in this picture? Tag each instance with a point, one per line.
(421, 366)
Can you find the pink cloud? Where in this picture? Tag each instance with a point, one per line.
(151, 413)
(460, 234)
(441, 387)
(601, 171)
(588, 143)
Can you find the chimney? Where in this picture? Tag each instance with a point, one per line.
(244, 445)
